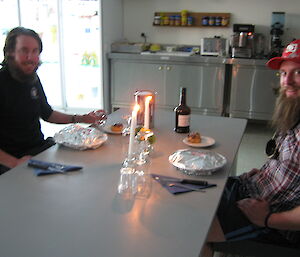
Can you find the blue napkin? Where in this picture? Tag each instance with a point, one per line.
(45, 168)
(177, 187)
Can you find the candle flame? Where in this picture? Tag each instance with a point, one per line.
(136, 108)
(148, 98)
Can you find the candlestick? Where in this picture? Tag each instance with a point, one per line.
(147, 112)
(132, 130)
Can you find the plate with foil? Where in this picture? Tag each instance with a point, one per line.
(80, 138)
(205, 142)
(197, 162)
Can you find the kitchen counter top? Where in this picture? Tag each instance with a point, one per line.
(190, 59)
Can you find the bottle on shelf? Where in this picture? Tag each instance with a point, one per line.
(182, 114)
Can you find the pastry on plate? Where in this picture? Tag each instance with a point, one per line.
(117, 127)
(194, 137)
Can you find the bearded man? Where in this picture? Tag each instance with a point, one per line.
(23, 101)
(262, 204)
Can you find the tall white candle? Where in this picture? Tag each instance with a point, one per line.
(132, 130)
(147, 112)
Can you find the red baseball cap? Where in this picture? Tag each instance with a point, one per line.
(290, 53)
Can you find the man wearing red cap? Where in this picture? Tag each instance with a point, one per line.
(261, 204)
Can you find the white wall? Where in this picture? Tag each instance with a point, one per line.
(138, 17)
(112, 20)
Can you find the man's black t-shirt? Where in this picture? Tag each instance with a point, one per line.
(21, 107)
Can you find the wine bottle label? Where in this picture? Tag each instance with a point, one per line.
(183, 120)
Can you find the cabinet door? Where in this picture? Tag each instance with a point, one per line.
(204, 83)
(128, 77)
(252, 92)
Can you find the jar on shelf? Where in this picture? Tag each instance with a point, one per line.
(218, 21)
(225, 21)
(166, 20)
(184, 13)
(156, 20)
(162, 15)
(212, 20)
(205, 21)
(183, 20)
(177, 20)
(189, 20)
(172, 20)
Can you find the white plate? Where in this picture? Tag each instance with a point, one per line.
(205, 142)
(197, 162)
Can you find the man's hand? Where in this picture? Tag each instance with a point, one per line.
(249, 173)
(97, 117)
(256, 210)
(23, 159)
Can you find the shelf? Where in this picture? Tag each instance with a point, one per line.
(197, 19)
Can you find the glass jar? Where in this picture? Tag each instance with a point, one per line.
(224, 21)
(190, 21)
(156, 20)
(205, 21)
(166, 20)
(211, 21)
(172, 20)
(183, 20)
(218, 21)
(177, 20)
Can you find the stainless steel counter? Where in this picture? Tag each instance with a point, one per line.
(190, 59)
(237, 87)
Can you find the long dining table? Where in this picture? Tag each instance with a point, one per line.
(81, 213)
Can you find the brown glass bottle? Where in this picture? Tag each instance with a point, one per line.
(182, 114)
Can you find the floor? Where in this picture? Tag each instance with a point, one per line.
(252, 149)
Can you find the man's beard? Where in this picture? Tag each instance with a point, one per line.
(287, 112)
(19, 75)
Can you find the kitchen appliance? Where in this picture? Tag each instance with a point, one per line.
(245, 43)
(276, 47)
(216, 46)
(242, 41)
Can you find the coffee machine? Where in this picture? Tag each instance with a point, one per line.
(241, 40)
(276, 32)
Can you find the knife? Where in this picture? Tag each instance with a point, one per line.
(38, 165)
(186, 181)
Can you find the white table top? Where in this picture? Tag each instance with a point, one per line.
(82, 215)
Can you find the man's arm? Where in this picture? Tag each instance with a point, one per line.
(257, 210)
(63, 118)
(11, 161)
(288, 220)
(60, 118)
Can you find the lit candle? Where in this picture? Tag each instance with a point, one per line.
(132, 130)
(147, 112)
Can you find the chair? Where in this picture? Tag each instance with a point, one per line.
(254, 249)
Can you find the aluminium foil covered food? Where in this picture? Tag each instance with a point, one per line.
(80, 138)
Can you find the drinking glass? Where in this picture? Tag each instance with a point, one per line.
(126, 129)
(143, 148)
(101, 117)
(143, 181)
(128, 180)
